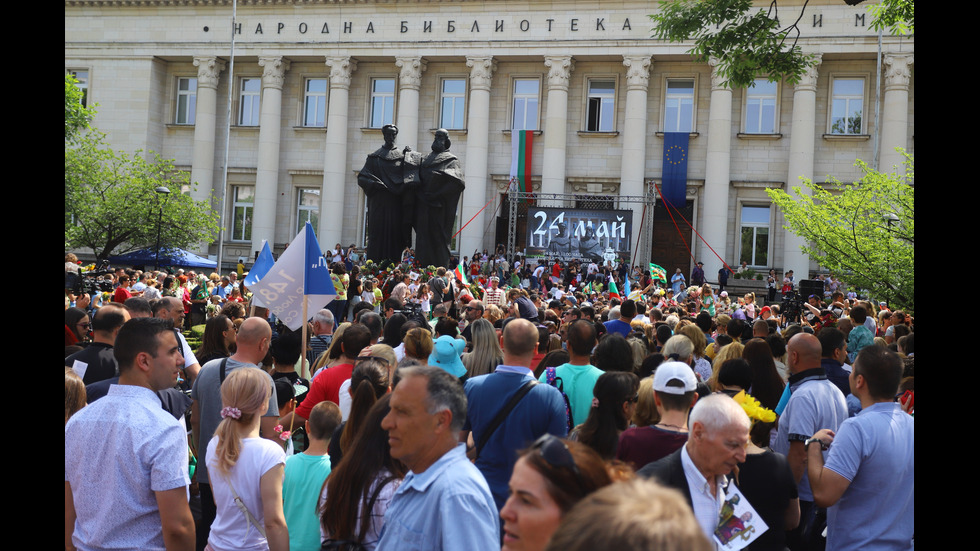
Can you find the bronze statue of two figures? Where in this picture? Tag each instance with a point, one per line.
(407, 191)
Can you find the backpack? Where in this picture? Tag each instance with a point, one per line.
(555, 381)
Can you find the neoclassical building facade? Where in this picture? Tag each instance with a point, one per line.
(312, 82)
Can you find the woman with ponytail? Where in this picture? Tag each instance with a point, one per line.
(615, 396)
(248, 467)
(368, 383)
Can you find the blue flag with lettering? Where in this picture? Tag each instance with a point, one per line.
(674, 186)
(317, 278)
(261, 267)
(300, 275)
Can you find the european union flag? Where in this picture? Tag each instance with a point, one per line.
(674, 186)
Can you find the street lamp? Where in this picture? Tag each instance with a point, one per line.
(165, 191)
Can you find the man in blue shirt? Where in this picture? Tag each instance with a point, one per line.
(622, 326)
(126, 458)
(868, 481)
(444, 502)
(540, 411)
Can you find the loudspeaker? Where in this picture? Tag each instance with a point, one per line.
(811, 287)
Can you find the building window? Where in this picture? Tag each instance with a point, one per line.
(81, 75)
(242, 207)
(526, 104)
(186, 100)
(601, 106)
(453, 105)
(755, 236)
(248, 110)
(382, 102)
(308, 209)
(315, 104)
(847, 106)
(760, 107)
(679, 105)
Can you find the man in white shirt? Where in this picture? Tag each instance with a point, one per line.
(536, 277)
(719, 433)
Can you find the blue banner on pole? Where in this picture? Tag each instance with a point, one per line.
(261, 267)
(674, 187)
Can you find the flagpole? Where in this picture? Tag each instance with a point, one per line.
(303, 369)
(638, 234)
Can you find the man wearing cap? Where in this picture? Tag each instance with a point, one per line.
(765, 313)
(494, 295)
(697, 274)
(674, 393)
(540, 411)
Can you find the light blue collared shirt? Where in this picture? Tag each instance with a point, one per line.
(119, 451)
(446, 507)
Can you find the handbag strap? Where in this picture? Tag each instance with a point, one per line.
(241, 506)
(502, 414)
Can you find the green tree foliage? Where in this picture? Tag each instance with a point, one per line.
(111, 206)
(77, 116)
(862, 232)
(750, 43)
(897, 15)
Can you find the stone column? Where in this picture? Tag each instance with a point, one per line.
(802, 134)
(267, 168)
(202, 165)
(409, 82)
(895, 112)
(477, 150)
(205, 120)
(335, 162)
(555, 124)
(635, 142)
(717, 177)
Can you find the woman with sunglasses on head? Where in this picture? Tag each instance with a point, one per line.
(549, 478)
(615, 396)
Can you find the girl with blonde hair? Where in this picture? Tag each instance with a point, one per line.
(750, 305)
(246, 470)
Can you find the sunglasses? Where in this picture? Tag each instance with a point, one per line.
(555, 452)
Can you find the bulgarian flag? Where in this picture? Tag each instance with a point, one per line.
(461, 274)
(613, 291)
(657, 273)
(520, 159)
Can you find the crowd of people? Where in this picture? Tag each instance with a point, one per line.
(495, 404)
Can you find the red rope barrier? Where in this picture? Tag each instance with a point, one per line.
(669, 205)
